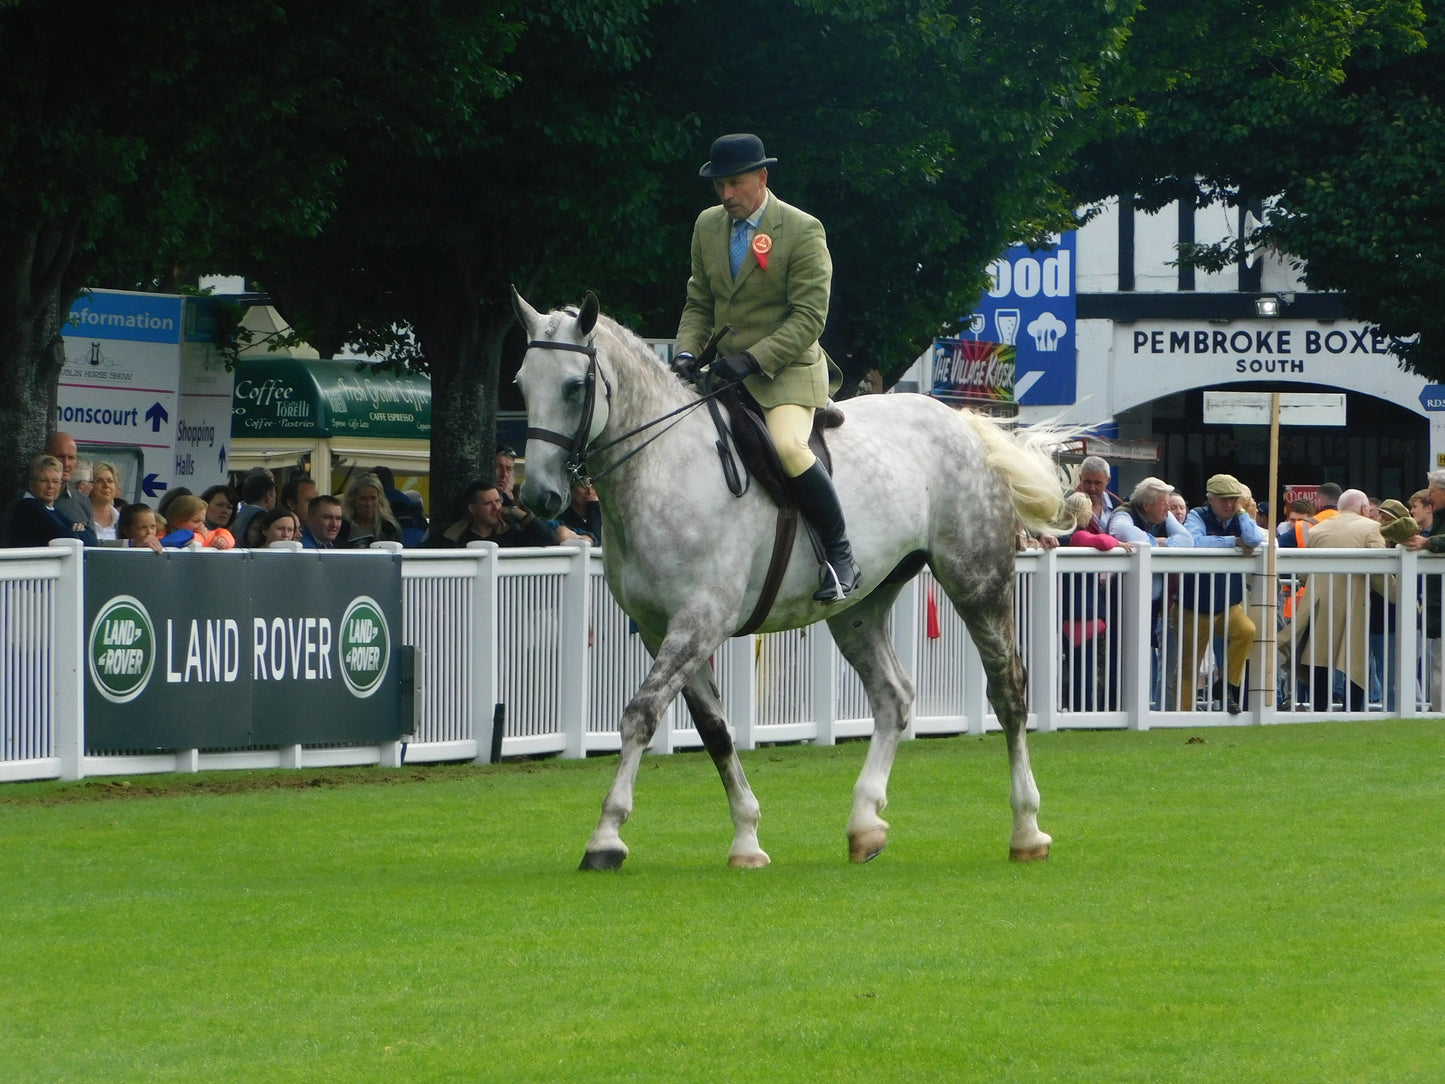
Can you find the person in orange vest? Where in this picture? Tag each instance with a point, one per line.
(1327, 500)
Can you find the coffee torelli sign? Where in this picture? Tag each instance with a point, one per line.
(247, 648)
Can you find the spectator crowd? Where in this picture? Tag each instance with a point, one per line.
(1336, 635)
(68, 497)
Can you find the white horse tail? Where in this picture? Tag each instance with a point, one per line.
(1024, 457)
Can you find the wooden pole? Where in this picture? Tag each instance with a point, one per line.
(1271, 577)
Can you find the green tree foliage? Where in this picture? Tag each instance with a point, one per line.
(406, 164)
(549, 186)
(137, 136)
(1333, 109)
(924, 136)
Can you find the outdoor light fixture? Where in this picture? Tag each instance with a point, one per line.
(1272, 305)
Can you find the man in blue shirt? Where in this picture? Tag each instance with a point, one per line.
(1212, 606)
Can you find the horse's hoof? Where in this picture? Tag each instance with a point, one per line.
(602, 860)
(756, 860)
(866, 846)
(1036, 853)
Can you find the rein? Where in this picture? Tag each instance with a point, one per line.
(576, 444)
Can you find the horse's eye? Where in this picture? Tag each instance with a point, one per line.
(576, 389)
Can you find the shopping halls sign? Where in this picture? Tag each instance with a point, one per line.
(248, 648)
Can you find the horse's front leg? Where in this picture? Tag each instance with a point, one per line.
(690, 639)
(707, 714)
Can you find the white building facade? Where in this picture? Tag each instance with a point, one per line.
(1107, 330)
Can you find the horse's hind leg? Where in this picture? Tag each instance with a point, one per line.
(863, 636)
(984, 599)
(705, 704)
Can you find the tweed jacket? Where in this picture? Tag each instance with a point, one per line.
(776, 313)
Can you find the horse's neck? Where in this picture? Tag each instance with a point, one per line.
(674, 445)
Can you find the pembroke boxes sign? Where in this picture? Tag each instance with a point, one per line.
(245, 648)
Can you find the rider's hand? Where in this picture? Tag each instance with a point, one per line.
(685, 366)
(735, 366)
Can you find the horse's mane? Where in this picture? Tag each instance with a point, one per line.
(624, 346)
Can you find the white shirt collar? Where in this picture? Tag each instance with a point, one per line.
(757, 216)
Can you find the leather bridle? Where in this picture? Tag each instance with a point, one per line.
(576, 444)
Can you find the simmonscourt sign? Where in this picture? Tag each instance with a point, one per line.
(239, 649)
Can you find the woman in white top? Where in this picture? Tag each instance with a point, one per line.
(104, 482)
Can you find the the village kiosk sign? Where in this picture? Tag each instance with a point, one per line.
(247, 648)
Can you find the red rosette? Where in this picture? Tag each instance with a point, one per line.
(762, 245)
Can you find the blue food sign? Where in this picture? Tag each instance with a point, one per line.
(1030, 307)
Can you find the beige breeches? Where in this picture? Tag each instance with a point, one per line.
(790, 426)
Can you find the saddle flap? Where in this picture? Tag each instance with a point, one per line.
(755, 444)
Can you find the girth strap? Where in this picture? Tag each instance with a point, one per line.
(783, 537)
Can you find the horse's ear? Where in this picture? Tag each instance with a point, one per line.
(587, 318)
(526, 315)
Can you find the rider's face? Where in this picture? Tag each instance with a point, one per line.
(743, 194)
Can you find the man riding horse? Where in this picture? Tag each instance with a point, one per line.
(762, 266)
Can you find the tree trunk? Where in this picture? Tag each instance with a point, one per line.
(31, 356)
(464, 350)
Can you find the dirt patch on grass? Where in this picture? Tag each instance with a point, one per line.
(236, 782)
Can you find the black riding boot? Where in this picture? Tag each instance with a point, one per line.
(818, 501)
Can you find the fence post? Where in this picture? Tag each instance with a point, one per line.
(823, 682)
(574, 626)
(1045, 647)
(905, 638)
(68, 652)
(1137, 642)
(741, 692)
(391, 753)
(1408, 616)
(482, 659)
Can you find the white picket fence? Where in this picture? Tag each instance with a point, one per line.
(537, 632)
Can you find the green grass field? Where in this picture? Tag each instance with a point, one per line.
(1259, 905)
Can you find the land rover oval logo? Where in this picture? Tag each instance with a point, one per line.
(364, 646)
(122, 649)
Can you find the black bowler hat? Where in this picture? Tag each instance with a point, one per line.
(733, 154)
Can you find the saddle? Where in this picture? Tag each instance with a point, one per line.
(755, 446)
(749, 435)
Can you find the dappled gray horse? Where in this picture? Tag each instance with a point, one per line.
(919, 482)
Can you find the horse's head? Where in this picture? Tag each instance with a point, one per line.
(567, 397)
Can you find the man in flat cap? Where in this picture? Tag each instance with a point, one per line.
(762, 266)
(1213, 606)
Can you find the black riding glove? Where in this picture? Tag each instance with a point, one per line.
(685, 366)
(734, 367)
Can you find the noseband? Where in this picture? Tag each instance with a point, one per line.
(576, 444)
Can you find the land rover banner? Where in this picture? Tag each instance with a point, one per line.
(245, 648)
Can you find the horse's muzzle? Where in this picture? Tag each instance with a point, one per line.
(544, 503)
